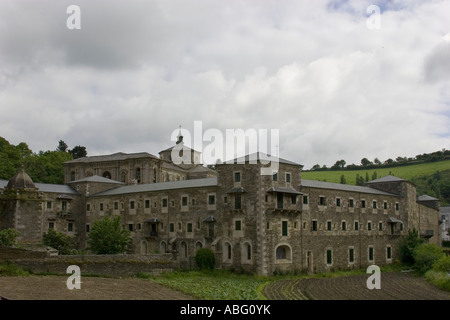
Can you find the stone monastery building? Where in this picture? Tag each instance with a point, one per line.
(252, 222)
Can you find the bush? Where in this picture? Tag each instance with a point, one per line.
(407, 245)
(204, 258)
(58, 241)
(8, 237)
(108, 237)
(439, 279)
(425, 255)
(442, 265)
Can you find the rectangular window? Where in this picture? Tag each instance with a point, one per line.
(369, 226)
(363, 203)
(370, 253)
(237, 201)
(294, 199)
(189, 227)
(314, 225)
(275, 176)
(131, 204)
(305, 199)
(322, 201)
(51, 225)
(385, 205)
(171, 227)
(288, 177)
(147, 204)
(88, 207)
(388, 252)
(380, 226)
(351, 203)
(284, 228)
(211, 199)
(130, 226)
(164, 203)
(237, 177)
(329, 225)
(374, 204)
(116, 205)
(225, 199)
(397, 206)
(356, 225)
(88, 227)
(351, 255)
(329, 257)
(238, 225)
(184, 201)
(70, 226)
(338, 202)
(344, 226)
(101, 207)
(64, 205)
(49, 204)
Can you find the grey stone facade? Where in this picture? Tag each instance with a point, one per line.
(253, 222)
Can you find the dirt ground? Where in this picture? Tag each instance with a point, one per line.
(394, 286)
(92, 288)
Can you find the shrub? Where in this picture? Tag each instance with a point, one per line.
(204, 259)
(407, 245)
(58, 241)
(108, 237)
(8, 237)
(442, 264)
(425, 255)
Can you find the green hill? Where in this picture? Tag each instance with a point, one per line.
(432, 178)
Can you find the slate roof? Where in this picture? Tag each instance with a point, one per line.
(150, 187)
(388, 178)
(260, 156)
(342, 187)
(425, 197)
(113, 157)
(96, 178)
(47, 187)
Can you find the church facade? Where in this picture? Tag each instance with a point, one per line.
(252, 222)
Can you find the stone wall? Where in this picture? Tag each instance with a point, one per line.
(104, 265)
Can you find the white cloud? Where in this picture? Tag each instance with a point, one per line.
(136, 71)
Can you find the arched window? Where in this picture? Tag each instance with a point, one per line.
(138, 175)
(283, 252)
(198, 245)
(246, 254)
(72, 176)
(163, 247)
(107, 175)
(227, 253)
(144, 247)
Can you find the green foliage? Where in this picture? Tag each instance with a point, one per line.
(407, 245)
(58, 240)
(204, 259)
(442, 264)
(8, 237)
(108, 237)
(439, 279)
(425, 255)
(215, 285)
(9, 269)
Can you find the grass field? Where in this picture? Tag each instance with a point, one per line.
(405, 172)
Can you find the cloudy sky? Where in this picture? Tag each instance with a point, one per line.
(337, 80)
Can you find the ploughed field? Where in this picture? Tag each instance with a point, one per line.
(394, 286)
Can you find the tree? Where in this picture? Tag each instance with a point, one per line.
(343, 180)
(62, 146)
(425, 255)
(359, 180)
(204, 259)
(340, 164)
(108, 237)
(377, 162)
(407, 245)
(78, 152)
(365, 162)
(58, 240)
(316, 167)
(8, 237)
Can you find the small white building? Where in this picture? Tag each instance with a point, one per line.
(445, 225)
